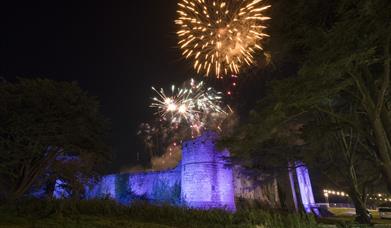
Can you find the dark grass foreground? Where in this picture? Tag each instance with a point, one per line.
(107, 213)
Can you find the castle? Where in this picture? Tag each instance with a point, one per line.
(204, 179)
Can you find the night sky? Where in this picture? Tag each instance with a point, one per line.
(115, 50)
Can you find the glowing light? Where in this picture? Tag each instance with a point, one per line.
(331, 192)
(192, 103)
(216, 180)
(377, 196)
(221, 36)
(202, 169)
(307, 196)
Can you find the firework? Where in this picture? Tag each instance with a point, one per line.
(191, 103)
(221, 36)
(181, 113)
(177, 105)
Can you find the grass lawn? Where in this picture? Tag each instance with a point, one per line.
(114, 222)
(107, 213)
(74, 222)
(347, 215)
(349, 212)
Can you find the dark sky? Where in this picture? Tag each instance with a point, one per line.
(116, 50)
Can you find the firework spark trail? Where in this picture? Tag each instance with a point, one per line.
(221, 36)
(203, 109)
(187, 103)
(178, 105)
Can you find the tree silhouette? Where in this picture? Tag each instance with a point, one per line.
(40, 121)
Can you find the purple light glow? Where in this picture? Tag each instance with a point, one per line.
(59, 191)
(207, 181)
(307, 197)
(204, 179)
(105, 188)
(146, 183)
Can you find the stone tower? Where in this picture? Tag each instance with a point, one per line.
(206, 178)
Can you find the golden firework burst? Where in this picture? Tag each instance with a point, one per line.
(221, 36)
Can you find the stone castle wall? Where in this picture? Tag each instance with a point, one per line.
(261, 189)
(203, 180)
(155, 186)
(207, 181)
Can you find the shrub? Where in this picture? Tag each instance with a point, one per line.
(142, 212)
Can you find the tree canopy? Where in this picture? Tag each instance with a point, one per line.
(338, 89)
(41, 121)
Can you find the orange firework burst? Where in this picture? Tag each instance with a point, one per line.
(221, 36)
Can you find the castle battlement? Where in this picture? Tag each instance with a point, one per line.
(203, 180)
(207, 137)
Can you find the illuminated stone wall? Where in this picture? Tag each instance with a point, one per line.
(105, 188)
(260, 188)
(202, 180)
(154, 186)
(148, 182)
(207, 181)
(305, 188)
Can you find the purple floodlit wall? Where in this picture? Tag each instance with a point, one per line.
(59, 192)
(149, 183)
(207, 180)
(203, 180)
(105, 188)
(305, 187)
(154, 186)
